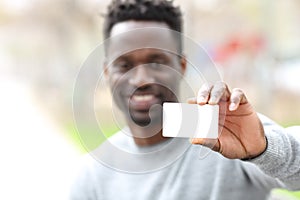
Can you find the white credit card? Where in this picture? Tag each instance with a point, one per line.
(190, 120)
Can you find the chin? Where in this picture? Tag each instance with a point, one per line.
(140, 120)
(142, 123)
(146, 121)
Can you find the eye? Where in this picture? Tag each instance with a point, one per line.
(122, 66)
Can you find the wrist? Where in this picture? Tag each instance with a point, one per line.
(256, 156)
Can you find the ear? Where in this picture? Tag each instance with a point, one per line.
(105, 69)
(183, 64)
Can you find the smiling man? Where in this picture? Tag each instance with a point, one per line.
(144, 68)
(142, 76)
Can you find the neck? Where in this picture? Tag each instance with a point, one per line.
(148, 135)
(149, 141)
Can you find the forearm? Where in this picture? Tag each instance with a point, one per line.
(282, 157)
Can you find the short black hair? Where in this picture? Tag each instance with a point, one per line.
(146, 10)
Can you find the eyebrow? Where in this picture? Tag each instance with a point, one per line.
(121, 58)
(159, 54)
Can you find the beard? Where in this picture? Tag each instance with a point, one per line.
(148, 118)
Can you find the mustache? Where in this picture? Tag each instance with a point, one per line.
(145, 89)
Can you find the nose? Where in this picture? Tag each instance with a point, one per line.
(140, 76)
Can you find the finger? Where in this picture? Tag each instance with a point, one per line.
(210, 143)
(192, 100)
(237, 97)
(218, 92)
(203, 93)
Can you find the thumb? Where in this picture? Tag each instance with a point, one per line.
(213, 144)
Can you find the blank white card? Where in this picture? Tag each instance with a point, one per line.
(190, 120)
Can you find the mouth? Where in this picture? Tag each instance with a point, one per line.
(143, 98)
(143, 102)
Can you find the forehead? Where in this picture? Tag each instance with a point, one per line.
(131, 35)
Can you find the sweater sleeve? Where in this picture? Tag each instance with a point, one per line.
(281, 160)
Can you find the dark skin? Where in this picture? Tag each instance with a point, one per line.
(137, 86)
(143, 77)
(241, 135)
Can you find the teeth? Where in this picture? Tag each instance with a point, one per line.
(146, 97)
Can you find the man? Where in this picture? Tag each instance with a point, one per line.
(252, 155)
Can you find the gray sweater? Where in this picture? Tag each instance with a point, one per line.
(174, 169)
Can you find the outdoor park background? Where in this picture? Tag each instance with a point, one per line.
(256, 45)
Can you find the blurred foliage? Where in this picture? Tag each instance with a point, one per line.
(90, 142)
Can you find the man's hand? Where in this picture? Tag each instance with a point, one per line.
(241, 134)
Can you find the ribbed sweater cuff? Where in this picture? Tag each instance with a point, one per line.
(274, 155)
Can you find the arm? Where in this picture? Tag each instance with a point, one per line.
(243, 135)
(281, 159)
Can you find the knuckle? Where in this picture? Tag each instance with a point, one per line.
(221, 84)
(238, 90)
(206, 85)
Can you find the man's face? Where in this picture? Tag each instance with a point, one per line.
(139, 76)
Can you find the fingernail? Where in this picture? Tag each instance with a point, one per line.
(191, 100)
(232, 106)
(213, 100)
(200, 99)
